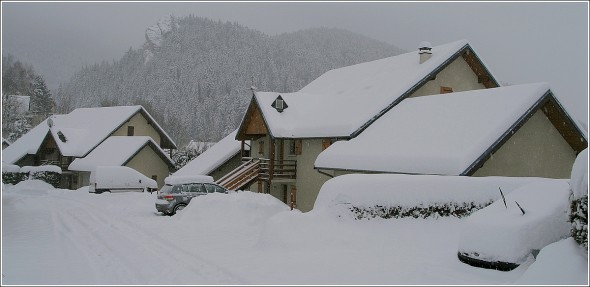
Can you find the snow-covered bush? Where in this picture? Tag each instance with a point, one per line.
(48, 173)
(366, 196)
(12, 174)
(579, 199)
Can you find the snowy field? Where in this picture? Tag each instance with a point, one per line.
(54, 236)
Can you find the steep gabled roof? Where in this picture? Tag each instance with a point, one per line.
(117, 151)
(79, 132)
(212, 158)
(343, 102)
(448, 134)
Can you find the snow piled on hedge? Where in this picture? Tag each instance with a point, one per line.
(500, 233)
(41, 168)
(370, 190)
(10, 168)
(579, 177)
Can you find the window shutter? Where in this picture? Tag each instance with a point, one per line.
(298, 148)
(445, 90)
(326, 143)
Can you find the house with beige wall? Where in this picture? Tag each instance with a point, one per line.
(88, 137)
(513, 131)
(288, 131)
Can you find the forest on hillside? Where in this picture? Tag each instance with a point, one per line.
(194, 74)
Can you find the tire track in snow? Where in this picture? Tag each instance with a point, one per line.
(130, 245)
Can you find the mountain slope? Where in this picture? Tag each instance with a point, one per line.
(194, 74)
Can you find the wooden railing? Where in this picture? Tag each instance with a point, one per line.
(248, 171)
(262, 169)
(285, 169)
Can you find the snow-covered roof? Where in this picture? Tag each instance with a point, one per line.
(116, 151)
(342, 100)
(81, 130)
(439, 134)
(213, 157)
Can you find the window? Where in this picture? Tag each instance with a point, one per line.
(130, 130)
(261, 147)
(445, 90)
(298, 147)
(280, 103)
(292, 147)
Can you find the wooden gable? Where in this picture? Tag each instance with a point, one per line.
(253, 125)
(483, 75)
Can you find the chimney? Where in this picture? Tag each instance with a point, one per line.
(425, 51)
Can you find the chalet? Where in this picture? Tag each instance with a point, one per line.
(289, 130)
(92, 137)
(520, 131)
(218, 160)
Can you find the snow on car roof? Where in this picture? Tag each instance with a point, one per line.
(175, 179)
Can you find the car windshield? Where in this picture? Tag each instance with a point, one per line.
(171, 189)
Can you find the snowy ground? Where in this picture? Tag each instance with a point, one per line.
(62, 237)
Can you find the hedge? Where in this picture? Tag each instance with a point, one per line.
(579, 220)
(458, 210)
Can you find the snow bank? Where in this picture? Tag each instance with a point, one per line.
(579, 178)
(41, 168)
(371, 190)
(239, 209)
(559, 263)
(182, 179)
(497, 233)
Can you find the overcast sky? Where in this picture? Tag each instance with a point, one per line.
(519, 42)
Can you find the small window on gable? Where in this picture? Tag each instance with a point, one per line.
(445, 90)
(279, 104)
(130, 130)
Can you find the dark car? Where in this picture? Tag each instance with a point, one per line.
(177, 193)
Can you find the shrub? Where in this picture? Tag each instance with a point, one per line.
(579, 220)
(455, 209)
(11, 177)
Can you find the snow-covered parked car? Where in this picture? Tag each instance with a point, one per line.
(178, 191)
(119, 178)
(504, 234)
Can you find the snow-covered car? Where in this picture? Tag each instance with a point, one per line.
(504, 234)
(178, 191)
(119, 178)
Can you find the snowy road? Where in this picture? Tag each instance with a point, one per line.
(72, 237)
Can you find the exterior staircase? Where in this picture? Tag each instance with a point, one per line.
(243, 175)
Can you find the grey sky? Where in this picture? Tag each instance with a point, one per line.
(520, 42)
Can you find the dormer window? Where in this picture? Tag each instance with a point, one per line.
(61, 136)
(279, 104)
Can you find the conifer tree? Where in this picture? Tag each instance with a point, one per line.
(41, 101)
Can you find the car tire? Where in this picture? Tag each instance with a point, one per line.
(178, 208)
